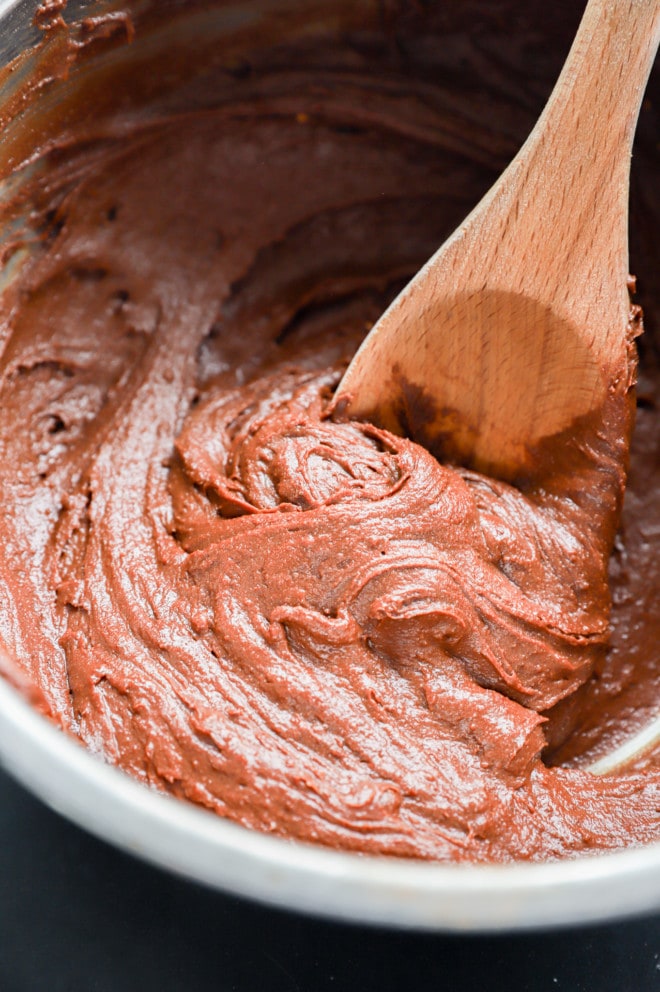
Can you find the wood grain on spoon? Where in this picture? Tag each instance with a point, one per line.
(517, 328)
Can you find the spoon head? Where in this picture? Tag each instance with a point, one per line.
(483, 379)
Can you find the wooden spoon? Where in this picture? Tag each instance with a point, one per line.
(519, 325)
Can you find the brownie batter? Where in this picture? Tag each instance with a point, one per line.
(309, 626)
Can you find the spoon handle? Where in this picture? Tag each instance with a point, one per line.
(574, 170)
(604, 77)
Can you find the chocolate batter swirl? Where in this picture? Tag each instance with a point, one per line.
(309, 626)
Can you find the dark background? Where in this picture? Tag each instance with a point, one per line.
(78, 916)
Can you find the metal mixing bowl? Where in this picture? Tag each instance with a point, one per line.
(201, 846)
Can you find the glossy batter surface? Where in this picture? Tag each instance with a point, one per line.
(311, 627)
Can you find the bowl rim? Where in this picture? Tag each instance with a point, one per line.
(382, 890)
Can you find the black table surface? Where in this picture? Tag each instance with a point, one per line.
(78, 916)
